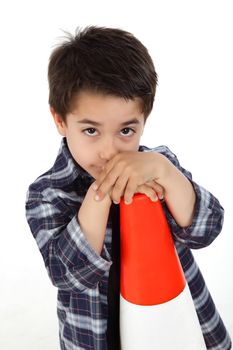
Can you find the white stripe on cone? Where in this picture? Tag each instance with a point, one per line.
(169, 326)
(156, 308)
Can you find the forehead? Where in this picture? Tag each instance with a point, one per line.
(103, 108)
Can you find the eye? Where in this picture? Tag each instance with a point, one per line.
(90, 131)
(127, 132)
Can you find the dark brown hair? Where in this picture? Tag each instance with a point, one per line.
(104, 60)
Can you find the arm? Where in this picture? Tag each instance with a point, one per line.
(92, 217)
(194, 214)
(71, 260)
(207, 217)
(179, 193)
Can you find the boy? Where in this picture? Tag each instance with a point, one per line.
(102, 84)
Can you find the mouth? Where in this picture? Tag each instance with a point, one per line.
(96, 171)
(99, 167)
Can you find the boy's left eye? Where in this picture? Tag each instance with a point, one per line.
(127, 131)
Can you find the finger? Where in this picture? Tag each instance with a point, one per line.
(148, 191)
(119, 161)
(157, 188)
(130, 189)
(105, 171)
(100, 179)
(118, 189)
(107, 184)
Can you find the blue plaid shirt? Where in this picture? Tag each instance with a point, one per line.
(81, 275)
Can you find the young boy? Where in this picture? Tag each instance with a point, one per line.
(102, 84)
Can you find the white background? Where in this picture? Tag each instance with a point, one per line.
(191, 45)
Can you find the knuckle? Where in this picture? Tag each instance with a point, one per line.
(133, 171)
(160, 189)
(131, 189)
(107, 183)
(141, 188)
(117, 186)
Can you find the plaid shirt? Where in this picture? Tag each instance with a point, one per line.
(81, 275)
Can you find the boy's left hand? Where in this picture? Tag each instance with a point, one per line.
(125, 173)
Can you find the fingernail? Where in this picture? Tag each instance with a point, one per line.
(128, 202)
(97, 197)
(115, 202)
(161, 196)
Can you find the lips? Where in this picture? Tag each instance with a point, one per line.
(99, 167)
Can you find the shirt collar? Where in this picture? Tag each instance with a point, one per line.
(65, 169)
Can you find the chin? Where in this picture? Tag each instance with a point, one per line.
(94, 172)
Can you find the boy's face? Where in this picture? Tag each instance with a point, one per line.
(99, 127)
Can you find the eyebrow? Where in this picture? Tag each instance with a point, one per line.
(89, 121)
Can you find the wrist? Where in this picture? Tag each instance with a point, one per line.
(162, 169)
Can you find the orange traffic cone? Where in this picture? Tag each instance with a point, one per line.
(156, 307)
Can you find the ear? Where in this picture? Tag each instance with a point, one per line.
(143, 128)
(59, 122)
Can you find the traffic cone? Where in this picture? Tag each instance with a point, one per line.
(156, 307)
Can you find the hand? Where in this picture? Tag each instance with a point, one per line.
(92, 191)
(152, 190)
(125, 172)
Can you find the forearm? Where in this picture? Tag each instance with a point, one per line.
(179, 194)
(71, 262)
(93, 217)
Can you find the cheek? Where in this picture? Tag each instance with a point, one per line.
(130, 145)
(81, 156)
(77, 149)
(84, 156)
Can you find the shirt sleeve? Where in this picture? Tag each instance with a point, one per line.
(71, 262)
(208, 214)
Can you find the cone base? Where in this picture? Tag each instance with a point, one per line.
(171, 325)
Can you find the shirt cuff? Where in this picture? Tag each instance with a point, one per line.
(206, 223)
(80, 257)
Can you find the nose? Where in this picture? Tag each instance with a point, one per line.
(108, 150)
